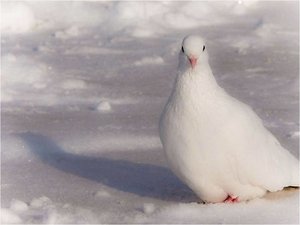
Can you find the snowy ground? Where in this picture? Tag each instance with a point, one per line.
(82, 88)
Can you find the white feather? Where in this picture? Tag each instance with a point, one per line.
(216, 144)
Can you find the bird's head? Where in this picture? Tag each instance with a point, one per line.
(193, 52)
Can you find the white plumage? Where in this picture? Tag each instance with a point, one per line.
(216, 144)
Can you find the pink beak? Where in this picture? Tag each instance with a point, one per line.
(193, 61)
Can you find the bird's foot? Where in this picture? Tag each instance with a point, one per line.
(230, 199)
(201, 202)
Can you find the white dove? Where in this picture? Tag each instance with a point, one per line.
(216, 144)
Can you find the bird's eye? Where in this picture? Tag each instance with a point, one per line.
(182, 49)
(203, 48)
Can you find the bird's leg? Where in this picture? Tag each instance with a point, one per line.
(201, 202)
(230, 199)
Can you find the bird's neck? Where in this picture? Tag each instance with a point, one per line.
(198, 81)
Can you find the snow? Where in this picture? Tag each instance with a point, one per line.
(17, 18)
(81, 98)
(148, 208)
(7, 216)
(19, 206)
(43, 211)
(73, 31)
(149, 60)
(199, 213)
(39, 202)
(104, 106)
(73, 84)
(102, 193)
(294, 134)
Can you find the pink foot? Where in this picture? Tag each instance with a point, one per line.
(230, 199)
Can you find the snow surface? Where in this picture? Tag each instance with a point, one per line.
(82, 88)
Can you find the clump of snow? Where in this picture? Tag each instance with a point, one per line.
(16, 17)
(242, 46)
(21, 70)
(18, 205)
(8, 216)
(294, 134)
(21, 75)
(104, 106)
(71, 84)
(73, 31)
(43, 211)
(155, 60)
(40, 202)
(148, 208)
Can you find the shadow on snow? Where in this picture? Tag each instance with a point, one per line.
(141, 179)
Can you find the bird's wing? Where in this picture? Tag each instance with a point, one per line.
(260, 160)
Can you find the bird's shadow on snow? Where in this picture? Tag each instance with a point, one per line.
(141, 179)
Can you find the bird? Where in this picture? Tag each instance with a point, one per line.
(216, 144)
